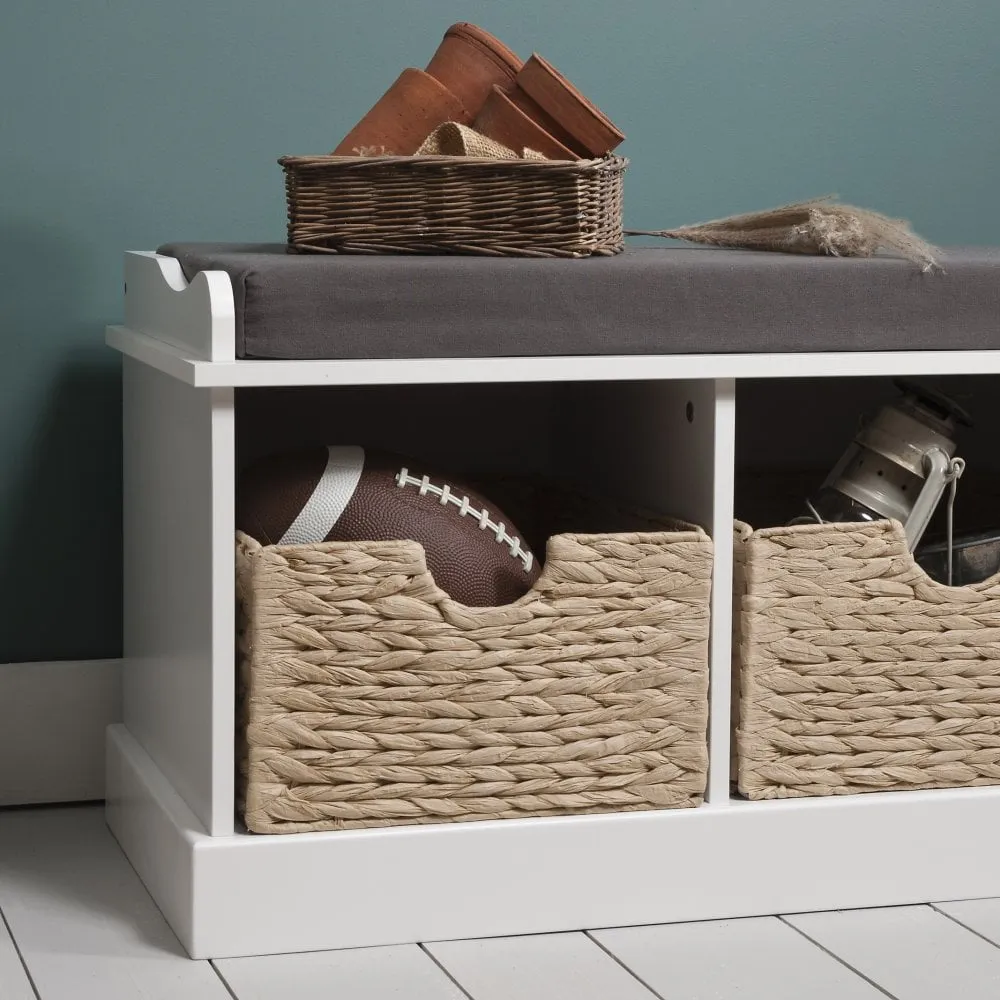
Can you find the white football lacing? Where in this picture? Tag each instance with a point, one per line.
(465, 509)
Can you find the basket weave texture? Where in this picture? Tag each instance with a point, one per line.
(859, 672)
(370, 698)
(454, 204)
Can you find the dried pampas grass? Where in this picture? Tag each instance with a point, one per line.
(819, 226)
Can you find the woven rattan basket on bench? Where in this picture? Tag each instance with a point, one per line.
(858, 672)
(452, 204)
(369, 698)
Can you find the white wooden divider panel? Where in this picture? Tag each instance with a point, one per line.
(179, 585)
(760, 958)
(721, 527)
(668, 445)
(912, 952)
(403, 971)
(646, 442)
(86, 928)
(542, 967)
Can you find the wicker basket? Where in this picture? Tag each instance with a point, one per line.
(456, 205)
(858, 671)
(369, 698)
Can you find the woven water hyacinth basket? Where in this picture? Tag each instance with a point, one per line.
(858, 671)
(369, 698)
(454, 204)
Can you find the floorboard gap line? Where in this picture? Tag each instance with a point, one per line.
(965, 927)
(836, 957)
(223, 980)
(434, 959)
(20, 957)
(615, 958)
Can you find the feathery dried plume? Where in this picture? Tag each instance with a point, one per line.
(818, 226)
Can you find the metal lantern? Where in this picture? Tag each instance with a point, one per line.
(897, 466)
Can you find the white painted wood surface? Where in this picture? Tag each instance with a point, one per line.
(179, 673)
(52, 721)
(546, 875)
(720, 655)
(177, 362)
(405, 971)
(740, 859)
(912, 952)
(14, 981)
(760, 958)
(981, 916)
(584, 368)
(85, 926)
(634, 441)
(197, 318)
(156, 829)
(543, 967)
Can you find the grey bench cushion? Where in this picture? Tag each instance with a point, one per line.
(646, 301)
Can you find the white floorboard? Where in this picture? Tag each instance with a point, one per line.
(759, 958)
(912, 952)
(86, 928)
(14, 982)
(362, 974)
(980, 915)
(539, 967)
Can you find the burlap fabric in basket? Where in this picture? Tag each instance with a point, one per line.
(369, 698)
(859, 672)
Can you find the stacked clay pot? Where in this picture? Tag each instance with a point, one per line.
(474, 79)
(453, 88)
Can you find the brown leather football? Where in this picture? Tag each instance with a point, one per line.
(348, 493)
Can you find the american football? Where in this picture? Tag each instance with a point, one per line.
(349, 493)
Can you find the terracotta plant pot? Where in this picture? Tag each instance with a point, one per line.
(469, 61)
(403, 117)
(539, 115)
(557, 97)
(504, 121)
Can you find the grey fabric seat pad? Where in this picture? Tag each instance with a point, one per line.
(669, 300)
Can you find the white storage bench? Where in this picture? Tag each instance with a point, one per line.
(628, 372)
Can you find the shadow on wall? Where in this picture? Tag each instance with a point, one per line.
(60, 537)
(60, 458)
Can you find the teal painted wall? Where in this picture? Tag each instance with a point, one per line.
(127, 124)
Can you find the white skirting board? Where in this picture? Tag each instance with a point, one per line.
(53, 717)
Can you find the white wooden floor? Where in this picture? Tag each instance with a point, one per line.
(78, 925)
